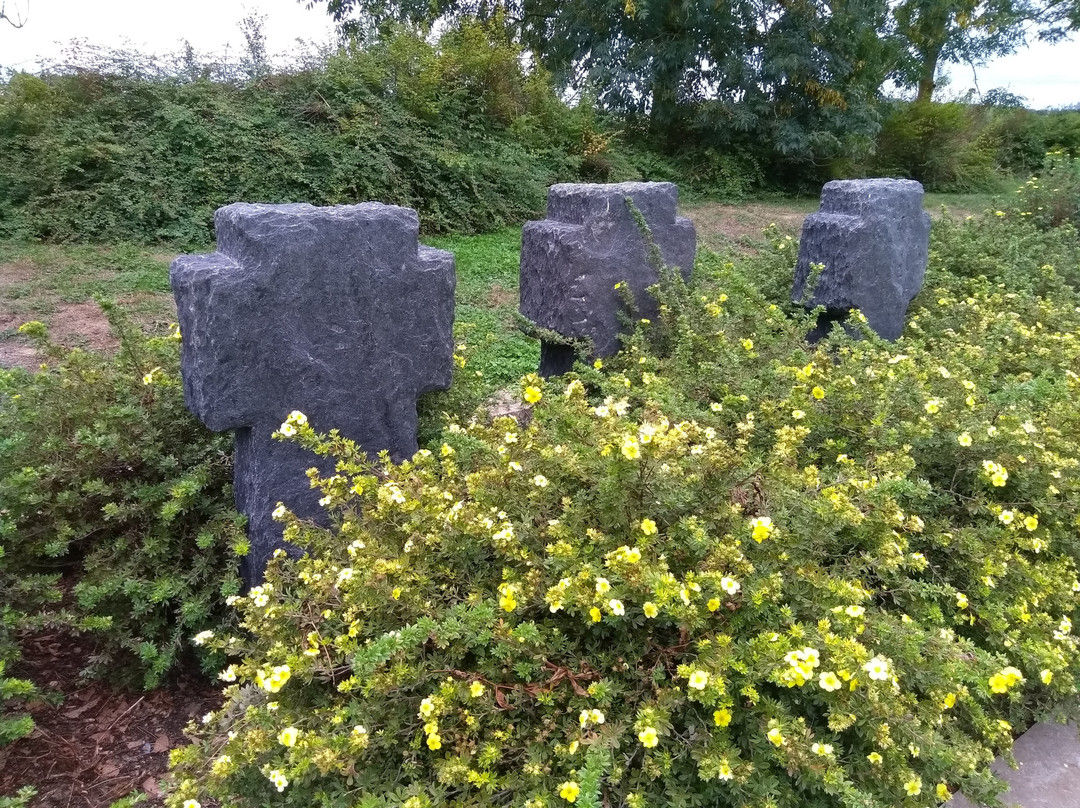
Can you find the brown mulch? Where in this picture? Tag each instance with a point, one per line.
(99, 742)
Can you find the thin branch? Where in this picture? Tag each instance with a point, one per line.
(17, 22)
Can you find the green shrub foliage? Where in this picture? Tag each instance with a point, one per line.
(1052, 197)
(106, 476)
(459, 131)
(721, 568)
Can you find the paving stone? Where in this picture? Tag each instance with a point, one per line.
(1049, 773)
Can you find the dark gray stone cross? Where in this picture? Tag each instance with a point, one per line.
(571, 261)
(336, 312)
(873, 237)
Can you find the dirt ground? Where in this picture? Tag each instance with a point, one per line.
(740, 227)
(94, 743)
(72, 324)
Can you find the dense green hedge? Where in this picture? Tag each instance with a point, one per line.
(462, 132)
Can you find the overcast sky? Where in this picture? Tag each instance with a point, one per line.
(1047, 76)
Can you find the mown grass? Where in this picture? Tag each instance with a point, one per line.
(37, 280)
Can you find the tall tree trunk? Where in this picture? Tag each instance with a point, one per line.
(928, 71)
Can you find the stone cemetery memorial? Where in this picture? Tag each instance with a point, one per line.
(336, 312)
(340, 313)
(872, 237)
(590, 241)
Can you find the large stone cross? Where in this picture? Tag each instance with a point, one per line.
(336, 312)
(873, 238)
(590, 241)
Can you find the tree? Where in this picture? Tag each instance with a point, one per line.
(938, 32)
(804, 71)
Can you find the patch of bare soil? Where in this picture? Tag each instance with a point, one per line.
(100, 743)
(499, 295)
(16, 273)
(81, 325)
(725, 226)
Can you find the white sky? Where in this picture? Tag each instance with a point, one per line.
(1046, 75)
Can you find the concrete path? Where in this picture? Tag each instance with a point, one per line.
(1049, 773)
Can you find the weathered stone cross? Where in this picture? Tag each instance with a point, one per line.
(337, 312)
(571, 261)
(873, 239)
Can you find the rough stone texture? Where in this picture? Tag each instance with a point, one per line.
(571, 261)
(873, 237)
(337, 312)
(1049, 773)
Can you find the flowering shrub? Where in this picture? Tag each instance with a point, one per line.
(1053, 197)
(105, 475)
(721, 568)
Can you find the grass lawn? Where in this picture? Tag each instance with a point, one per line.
(57, 283)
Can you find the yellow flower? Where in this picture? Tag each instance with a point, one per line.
(748, 344)
(648, 737)
(396, 594)
(722, 717)
(648, 527)
(762, 528)
(569, 790)
(999, 684)
(594, 613)
(714, 604)
(964, 439)
(630, 448)
(913, 787)
(1031, 522)
(434, 742)
(476, 690)
(775, 736)
(874, 758)
(447, 450)
(829, 681)
(599, 363)
(533, 394)
(949, 701)
(287, 737)
(961, 600)
(942, 792)
(698, 680)
(1046, 675)
(933, 406)
(818, 393)
(650, 609)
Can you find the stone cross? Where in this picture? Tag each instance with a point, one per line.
(873, 238)
(336, 312)
(571, 261)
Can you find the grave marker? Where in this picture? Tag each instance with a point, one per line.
(873, 238)
(336, 312)
(571, 261)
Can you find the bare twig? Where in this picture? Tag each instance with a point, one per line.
(17, 21)
(128, 710)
